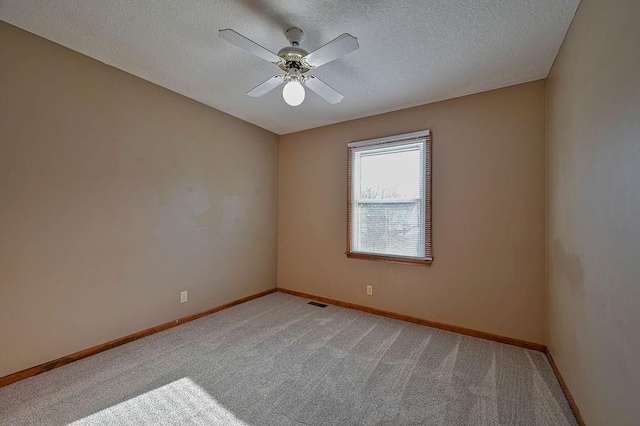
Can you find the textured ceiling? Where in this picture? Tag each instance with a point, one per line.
(411, 52)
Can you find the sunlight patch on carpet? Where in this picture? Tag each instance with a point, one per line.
(179, 402)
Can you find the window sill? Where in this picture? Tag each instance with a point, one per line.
(393, 259)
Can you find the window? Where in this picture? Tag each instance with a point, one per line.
(389, 199)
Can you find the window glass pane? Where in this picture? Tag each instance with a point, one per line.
(390, 228)
(390, 175)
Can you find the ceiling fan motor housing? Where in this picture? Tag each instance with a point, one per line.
(292, 56)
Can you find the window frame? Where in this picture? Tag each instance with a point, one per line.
(423, 137)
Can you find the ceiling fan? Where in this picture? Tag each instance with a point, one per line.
(296, 63)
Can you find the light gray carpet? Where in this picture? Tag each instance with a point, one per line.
(279, 361)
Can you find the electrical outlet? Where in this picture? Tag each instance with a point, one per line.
(370, 290)
(183, 296)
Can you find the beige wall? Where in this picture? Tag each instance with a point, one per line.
(115, 195)
(594, 211)
(488, 214)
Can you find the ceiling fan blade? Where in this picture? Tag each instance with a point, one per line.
(325, 91)
(267, 86)
(248, 45)
(336, 48)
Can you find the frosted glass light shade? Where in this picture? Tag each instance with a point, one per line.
(293, 93)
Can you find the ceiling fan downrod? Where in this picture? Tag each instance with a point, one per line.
(295, 36)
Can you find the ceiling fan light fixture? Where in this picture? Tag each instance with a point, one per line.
(293, 92)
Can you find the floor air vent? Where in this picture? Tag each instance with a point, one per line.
(321, 305)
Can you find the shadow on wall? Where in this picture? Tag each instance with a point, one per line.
(567, 269)
(567, 274)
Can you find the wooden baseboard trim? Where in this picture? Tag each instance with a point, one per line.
(21, 375)
(448, 327)
(565, 389)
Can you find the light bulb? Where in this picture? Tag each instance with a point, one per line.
(293, 93)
